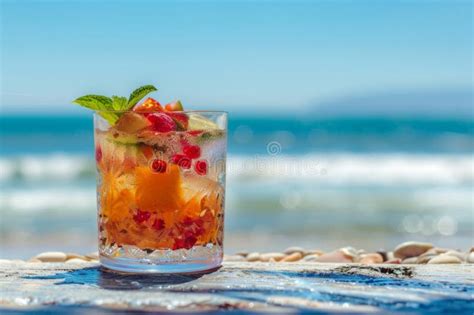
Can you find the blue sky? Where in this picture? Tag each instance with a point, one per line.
(237, 56)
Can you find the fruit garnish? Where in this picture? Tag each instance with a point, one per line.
(98, 154)
(161, 122)
(198, 122)
(201, 167)
(122, 137)
(195, 132)
(131, 122)
(141, 216)
(111, 108)
(192, 151)
(149, 105)
(158, 224)
(147, 151)
(181, 119)
(158, 166)
(181, 160)
(174, 106)
(158, 191)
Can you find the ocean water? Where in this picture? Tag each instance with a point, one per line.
(320, 183)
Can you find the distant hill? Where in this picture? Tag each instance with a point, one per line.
(401, 104)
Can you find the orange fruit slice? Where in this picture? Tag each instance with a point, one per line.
(158, 191)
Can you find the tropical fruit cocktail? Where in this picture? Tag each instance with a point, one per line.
(160, 188)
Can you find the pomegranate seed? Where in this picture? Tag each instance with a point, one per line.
(159, 224)
(188, 221)
(178, 244)
(161, 122)
(141, 216)
(192, 151)
(181, 160)
(195, 132)
(158, 166)
(201, 167)
(98, 154)
(190, 241)
(184, 142)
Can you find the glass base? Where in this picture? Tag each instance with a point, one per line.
(198, 259)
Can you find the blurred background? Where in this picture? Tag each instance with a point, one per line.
(351, 123)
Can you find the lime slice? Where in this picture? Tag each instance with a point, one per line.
(121, 137)
(198, 122)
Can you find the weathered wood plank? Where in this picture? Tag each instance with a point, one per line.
(245, 286)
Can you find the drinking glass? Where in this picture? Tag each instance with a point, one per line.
(160, 194)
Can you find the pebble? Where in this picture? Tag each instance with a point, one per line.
(393, 261)
(234, 258)
(294, 249)
(242, 253)
(93, 256)
(335, 257)
(313, 252)
(76, 261)
(52, 257)
(350, 252)
(274, 256)
(457, 254)
(34, 260)
(383, 254)
(410, 260)
(445, 259)
(411, 249)
(293, 257)
(74, 255)
(390, 256)
(433, 252)
(372, 258)
(470, 258)
(424, 259)
(253, 257)
(313, 257)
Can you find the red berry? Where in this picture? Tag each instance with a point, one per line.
(184, 142)
(178, 244)
(181, 119)
(192, 151)
(189, 241)
(181, 160)
(195, 132)
(161, 122)
(174, 106)
(188, 221)
(186, 242)
(159, 224)
(98, 154)
(149, 105)
(201, 167)
(158, 166)
(141, 216)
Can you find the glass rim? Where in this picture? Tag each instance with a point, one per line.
(162, 111)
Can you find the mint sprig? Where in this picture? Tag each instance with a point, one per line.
(110, 108)
(140, 93)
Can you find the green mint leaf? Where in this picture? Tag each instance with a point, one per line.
(94, 102)
(111, 117)
(138, 94)
(99, 103)
(119, 103)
